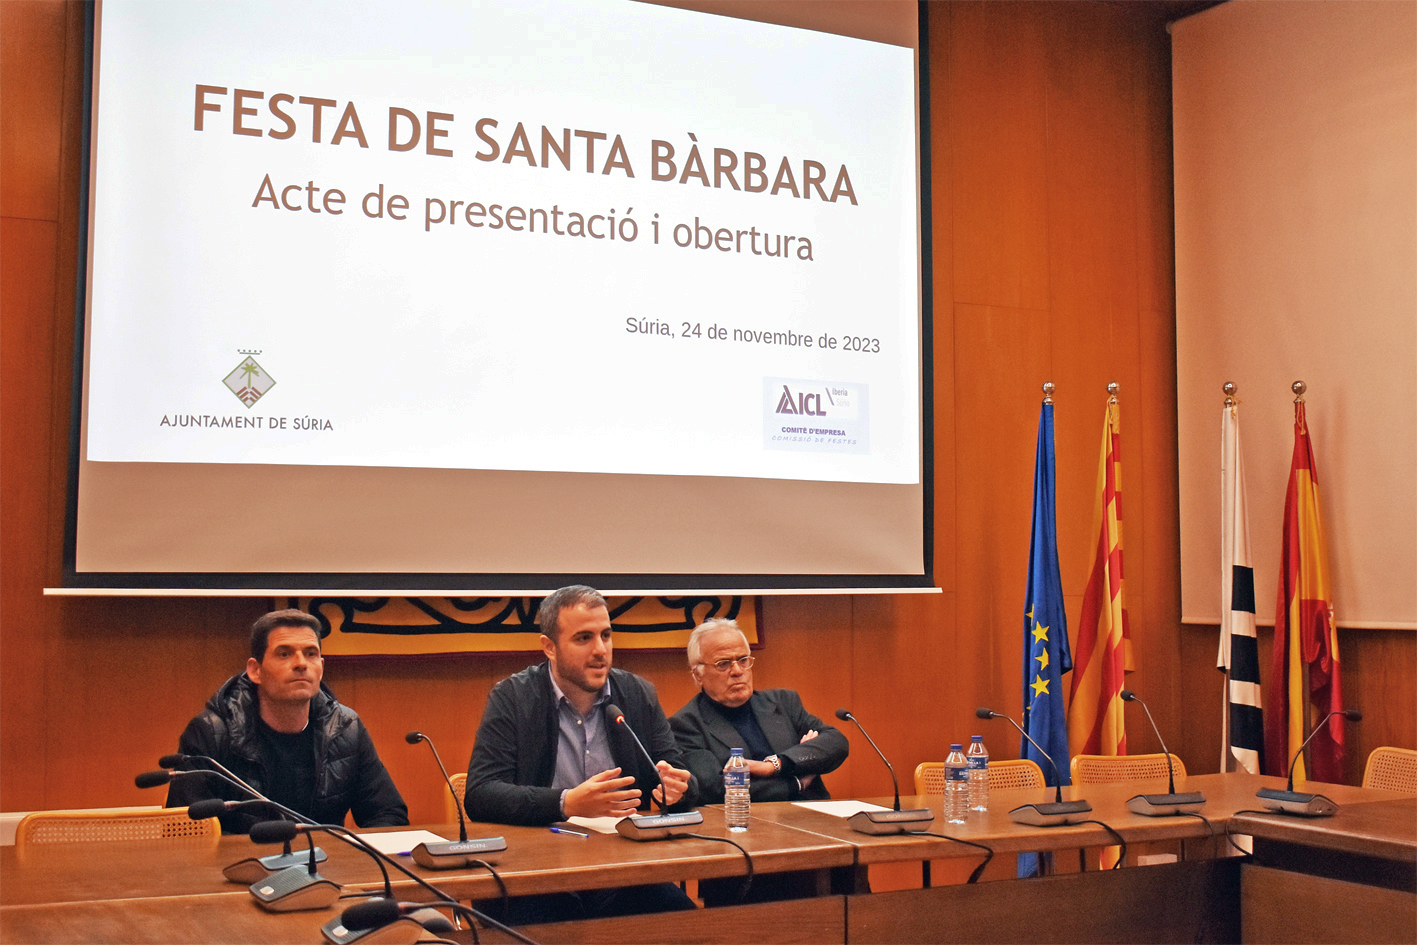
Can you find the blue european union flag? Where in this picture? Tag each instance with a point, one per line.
(1045, 628)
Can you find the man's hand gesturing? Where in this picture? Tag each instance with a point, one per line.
(603, 795)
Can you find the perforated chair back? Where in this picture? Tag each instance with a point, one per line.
(1003, 775)
(1015, 773)
(90, 826)
(1392, 768)
(1116, 769)
(930, 777)
(459, 788)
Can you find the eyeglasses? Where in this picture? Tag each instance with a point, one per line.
(743, 662)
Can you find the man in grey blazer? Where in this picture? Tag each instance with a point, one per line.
(788, 748)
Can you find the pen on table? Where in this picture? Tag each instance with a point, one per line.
(572, 833)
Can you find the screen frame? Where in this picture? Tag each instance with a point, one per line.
(210, 583)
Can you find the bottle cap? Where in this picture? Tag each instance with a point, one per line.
(735, 751)
(956, 747)
(977, 738)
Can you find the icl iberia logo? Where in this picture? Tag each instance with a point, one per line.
(803, 403)
(249, 381)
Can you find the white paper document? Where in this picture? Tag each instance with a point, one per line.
(399, 841)
(840, 808)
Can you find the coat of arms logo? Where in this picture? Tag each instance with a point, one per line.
(249, 381)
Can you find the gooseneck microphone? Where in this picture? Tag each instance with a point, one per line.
(1158, 805)
(377, 913)
(1290, 801)
(878, 821)
(1042, 815)
(413, 738)
(245, 871)
(654, 827)
(448, 854)
(295, 887)
(282, 830)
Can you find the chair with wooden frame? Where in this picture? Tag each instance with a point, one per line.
(1005, 774)
(459, 788)
(159, 825)
(1120, 769)
(1394, 769)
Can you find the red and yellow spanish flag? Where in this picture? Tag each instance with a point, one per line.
(1102, 653)
(1305, 635)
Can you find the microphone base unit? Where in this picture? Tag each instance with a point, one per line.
(658, 826)
(256, 868)
(455, 853)
(1163, 805)
(1055, 814)
(1295, 802)
(279, 861)
(401, 931)
(295, 889)
(883, 822)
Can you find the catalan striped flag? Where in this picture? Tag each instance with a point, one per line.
(1239, 659)
(1103, 649)
(1305, 635)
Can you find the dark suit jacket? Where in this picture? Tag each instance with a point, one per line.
(514, 759)
(706, 735)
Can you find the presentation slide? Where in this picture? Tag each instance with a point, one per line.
(596, 237)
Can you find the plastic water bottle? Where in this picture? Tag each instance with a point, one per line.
(956, 785)
(978, 757)
(736, 799)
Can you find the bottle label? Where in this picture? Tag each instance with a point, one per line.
(734, 779)
(956, 774)
(979, 761)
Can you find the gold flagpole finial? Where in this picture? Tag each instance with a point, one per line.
(1298, 387)
(1048, 389)
(1112, 389)
(1229, 389)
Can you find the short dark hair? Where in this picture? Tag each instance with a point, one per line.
(548, 615)
(261, 629)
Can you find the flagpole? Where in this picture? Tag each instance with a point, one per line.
(1309, 714)
(1226, 754)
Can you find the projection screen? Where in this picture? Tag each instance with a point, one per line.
(491, 296)
(1296, 259)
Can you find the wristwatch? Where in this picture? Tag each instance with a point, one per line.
(776, 763)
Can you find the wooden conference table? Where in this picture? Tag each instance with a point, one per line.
(132, 892)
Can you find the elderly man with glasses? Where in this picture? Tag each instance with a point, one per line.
(787, 747)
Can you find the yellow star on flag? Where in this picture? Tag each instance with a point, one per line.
(1040, 633)
(1039, 686)
(1042, 659)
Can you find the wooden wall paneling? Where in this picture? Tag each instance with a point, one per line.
(1379, 675)
(810, 648)
(27, 276)
(1051, 147)
(1159, 564)
(912, 678)
(32, 51)
(942, 218)
(124, 677)
(1002, 358)
(1202, 688)
(997, 113)
(1156, 361)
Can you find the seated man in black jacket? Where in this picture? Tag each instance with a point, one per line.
(787, 748)
(280, 729)
(547, 750)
